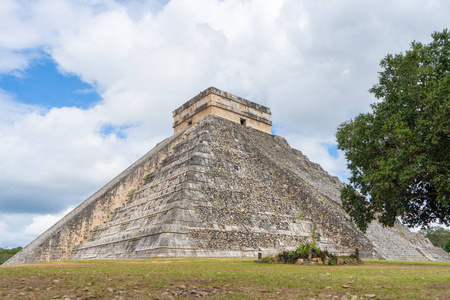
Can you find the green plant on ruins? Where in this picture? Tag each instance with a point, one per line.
(304, 248)
(288, 257)
(270, 258)
(313, 233)
(332, 260)
(303, 251)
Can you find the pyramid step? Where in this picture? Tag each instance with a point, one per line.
(143, 232)
(198, 150)
(145, 189)
(149, 213)
(192, 170)
(126, 248)
(190, 190)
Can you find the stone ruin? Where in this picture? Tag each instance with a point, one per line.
(221, 186)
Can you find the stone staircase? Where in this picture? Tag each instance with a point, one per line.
(405, 246)
(157, 215)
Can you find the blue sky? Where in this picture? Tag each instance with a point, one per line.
(41, 84)
(88, 87)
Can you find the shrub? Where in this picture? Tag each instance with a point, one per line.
(270, 258)
(323, 254)
(303, 252)
(447, 246)
(288, 256)
(332, 260)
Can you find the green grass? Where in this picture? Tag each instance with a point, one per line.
(431, 263)
(224, 278)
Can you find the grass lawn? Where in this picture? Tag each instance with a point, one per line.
(223, 278)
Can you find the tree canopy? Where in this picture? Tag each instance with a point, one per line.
(398, 155)
(6, 254)
(438, 236)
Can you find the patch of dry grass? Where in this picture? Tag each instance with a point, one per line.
(223, 278)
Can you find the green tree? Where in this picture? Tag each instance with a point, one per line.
(447, 246)
(6, 254)
(398, 155)
(438, 236)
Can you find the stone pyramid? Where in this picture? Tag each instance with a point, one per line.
(221, 186)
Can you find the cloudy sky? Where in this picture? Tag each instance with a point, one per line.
(87, 87)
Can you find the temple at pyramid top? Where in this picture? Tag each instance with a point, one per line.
(225, 105)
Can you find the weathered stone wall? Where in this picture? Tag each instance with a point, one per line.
(251, 175)
(155, 220)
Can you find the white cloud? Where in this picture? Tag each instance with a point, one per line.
(19, 229)
(311, 62)
(13, 111)
(316, 149)
(53, 157)
(41, 223)
(12, 227)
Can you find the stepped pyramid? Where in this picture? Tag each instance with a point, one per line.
(221, 186)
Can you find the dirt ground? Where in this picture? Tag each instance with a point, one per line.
(221, 279)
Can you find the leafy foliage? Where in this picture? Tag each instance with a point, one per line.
(268, 259)
(304, 249)
(447, 246)
(399, 154)
(288, 256)
(438, 236)
(6, 254)
(302, 252)
(327, 257)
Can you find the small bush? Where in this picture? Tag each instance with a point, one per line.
(324, 255)
(287, 256)
(304, 251)
(332, 260)
(270, 258)
(304, 248)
